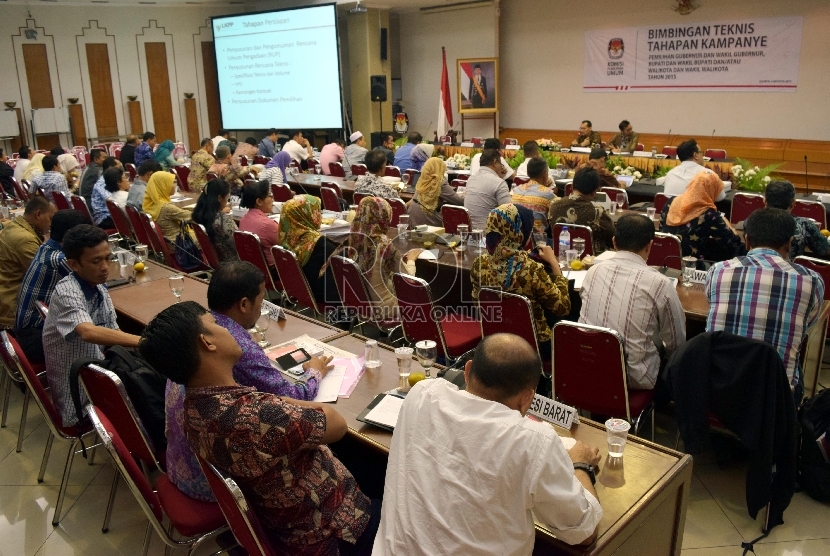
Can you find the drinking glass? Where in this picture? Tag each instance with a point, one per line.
(654, 150)
(689, 266)
(403, 226)
(371, 355)
(126, 262)
(463, 232)
(140, 252)
(650, 212)
(406, 178)
(113, 241)
(404, 355)
(620, 200)
(613, 209)
(617, 435)
(578, 244)
(176, 283)
(261, 327)
(426, 352)
(4, 213)
(570, 256)
(477, 238)
(539, 239)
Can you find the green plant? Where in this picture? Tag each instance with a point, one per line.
(551, 159)
(752, 178)
(517, 159)
(614, 162)
(659, 171)
(401, 141)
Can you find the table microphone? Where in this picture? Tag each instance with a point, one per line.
(806, 178)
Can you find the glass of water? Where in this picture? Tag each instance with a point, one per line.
(620, 200)
(463, 232)
(262, 327)
(426, 352)
(689, 266)
(113, 241)
(141, 252)
(176, 283)
(650, 212)
(578, 244)
(404, 356)
(403, 226)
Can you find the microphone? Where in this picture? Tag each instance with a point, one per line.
(713, 133)
(806, 178)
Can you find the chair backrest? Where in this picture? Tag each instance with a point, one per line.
(445, 139)
(333, 185)
(411, 172)
(79, 204)
(357, 197)
(211, 176)
(569, 189)
(612, 193)
(243, 160)
(133, 172)
(462, 177)
(506, 312)
(295, 164)
(138, 227)
(666, 251)
(669, 150)
(262, 160)
(208, 249)
(352, 287)
(243, 521)
(157, 242)
(106, 391)
(359, 169)
(180, 150)
(38, 191)
(392, 171)
(182, 173)
(42, 308)
(640, 147)
(292, 278)
(820, 266)
(520, 181)
(20, 191)
(281, 192)
(589, 369)
(511, 141)
(398, 208)
(452, 216)
(336, 169)
(330, 200)
(715, 154)
(477, 141)
(660, 200)
(576, 231)
(456, 183)
(744, 204)
(811, 209)
(249, 249)
(119, 218)
(415, 303)
(60, 200)
(102, 146)
(312, 164)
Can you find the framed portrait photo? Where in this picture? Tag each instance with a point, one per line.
(478, 85)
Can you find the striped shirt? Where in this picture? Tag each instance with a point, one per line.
(627, 295)
(51, 181)
(100, 212)
(74, 302)
(47, 268)
(765, 297)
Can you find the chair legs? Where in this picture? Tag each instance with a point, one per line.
(45, 459)
(21, 434)
(6, 388)
(111, 502)
(70, 457)
(147, 534)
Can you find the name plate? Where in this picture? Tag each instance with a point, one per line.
(553, 412)
(642, 154)
(274, 311)
(467, 144)
(512, 147)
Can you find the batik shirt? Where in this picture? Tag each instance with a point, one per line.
(576, 209)
(200, 163)
(807, 235)
(142, 152)
(373, 185)
(51, 181)
(706, 237)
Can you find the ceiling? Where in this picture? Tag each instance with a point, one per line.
(257, 5)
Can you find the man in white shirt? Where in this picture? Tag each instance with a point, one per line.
(221, 135)
(691, 164)
(492, 143)
(298, 147)
(625, 294)
(468, 473)
(25, 155)
(531, 150)
(486, 189)
(355, 153)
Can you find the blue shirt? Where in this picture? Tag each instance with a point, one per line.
(267, 148)
(46, 270)
(143, 152)
(51, 181)
(402, 159)
(100, 212)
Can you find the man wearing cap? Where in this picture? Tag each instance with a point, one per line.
(299, 148)
(478, 88)
(355, 152)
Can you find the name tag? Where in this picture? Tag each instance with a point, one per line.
(553, 412)
(275, 312)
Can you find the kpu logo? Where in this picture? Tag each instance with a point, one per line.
(616, 49)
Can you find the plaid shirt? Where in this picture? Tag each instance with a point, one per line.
(46, 270)
(51, 181)
(100, 212)
(764, 297)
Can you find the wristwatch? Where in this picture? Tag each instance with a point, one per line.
(589, 469)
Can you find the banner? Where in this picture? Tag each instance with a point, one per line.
(747, 55)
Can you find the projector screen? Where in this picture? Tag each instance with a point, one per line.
(279, 69)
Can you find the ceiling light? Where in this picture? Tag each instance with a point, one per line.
(358, 9)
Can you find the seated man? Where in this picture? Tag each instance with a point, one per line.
(402, 159)
(127, 155)
(764, 296)
(388, 148)
(587, 137)
(486, 189)
(597, 160)
(81, 316)
(530, 150)
(691, 164)
(268, 147)
(333, 152)
(135, 198)
(47, 268)
(491, 143)
(145, 150)
(355, 153)
(19, 242)
(92, 173)
(51, 179)
(626, 140)
(580, 209)
(780, 194)
(627, 295)
(536, 194)
(484, 494)
(372, 183)
(299, 148)
(273, 447)
(115, 187)
(247, 149)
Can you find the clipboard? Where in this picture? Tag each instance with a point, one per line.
(370, 407)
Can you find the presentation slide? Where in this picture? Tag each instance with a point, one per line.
(279, 69)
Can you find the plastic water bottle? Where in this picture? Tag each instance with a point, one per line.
(564, 243)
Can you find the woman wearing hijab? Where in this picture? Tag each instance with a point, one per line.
(431, 191)
(69, 167)
(420, 154)
(507, 266)
(299, 221)
(157, 204)
(704, 233)
(35, 167)
(274, 171)
(212, 212)
(164, 155)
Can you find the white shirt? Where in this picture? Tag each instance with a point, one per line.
(297, 151)
(216, 140)
(625, 294)
(467, 475)
(20, 167)
(485, 191)
(678, 178)
(475, 164)
(120, 197)
(521, 171)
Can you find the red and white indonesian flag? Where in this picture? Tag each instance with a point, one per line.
(445, 101)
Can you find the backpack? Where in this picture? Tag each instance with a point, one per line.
(814, 454)
(144, 385)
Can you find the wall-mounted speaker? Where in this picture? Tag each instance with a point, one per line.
(378, 88)
(384, 43)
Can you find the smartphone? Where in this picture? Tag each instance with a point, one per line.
(292, 359)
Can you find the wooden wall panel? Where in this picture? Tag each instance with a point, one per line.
(159, 82)
(100, 81)
(136, 122)
(192, 117)
(76, 118)
(40, 86)
(211, 88)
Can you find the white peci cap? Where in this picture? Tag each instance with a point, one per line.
(355, 136)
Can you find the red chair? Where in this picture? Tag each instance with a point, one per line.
(262, 160)
(239, 514)
(131, 170)
(159, 245)
(243, 160)
(53, 420)
(393, 171)
(138, 227)
(61, 201)
(612, 193)
(820, 267)
(715, 154)
(640, 147)
(593, 378)
(520, 181)
(502, 311)
(445, 139)
(20, 191)
(122, 223)
(452, 216)
(456, 183)
(333, 185)
(357, 197)
(359, 169)
(193, 519)
(744, 204)
(336, 170)
(250, 249)
(296, 165)
(666, 251)
(477, 141)
(312, 165)
(38, 191)
(211, 176)
(294, 281)
(411, 172)
(106, 391)
(811, 209)
(101, 146)
(208, 249)
(398, 208)
(576, 231)
(87, 160)
(670, 151)
(569, 189)
(454, 336)
(462, 177)
(79, 204)
(281, 192)
(511, 141)
(329, 197)
(660, 200)
(11, 375)
(354, 293)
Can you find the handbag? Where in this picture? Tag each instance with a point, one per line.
(188, 255)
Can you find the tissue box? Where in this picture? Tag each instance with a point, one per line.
(426, 233)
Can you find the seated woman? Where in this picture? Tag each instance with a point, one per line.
(274, 172)
(420, 154)
(257, 198)
(212, 212)
(580, 209)
(431, 192)
(164, 155)
(299, 224)
(224, 169)
(507, 266)
(704, 233)
(157, 204)
(536, 194)
(116, 187)
(35, 168)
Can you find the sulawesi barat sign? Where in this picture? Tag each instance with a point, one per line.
(745, 55)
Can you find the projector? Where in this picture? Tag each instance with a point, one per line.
(358, 9)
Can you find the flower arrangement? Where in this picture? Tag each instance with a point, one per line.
(752, 178)
(459, 161)
(549, 145)
(616, 166)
